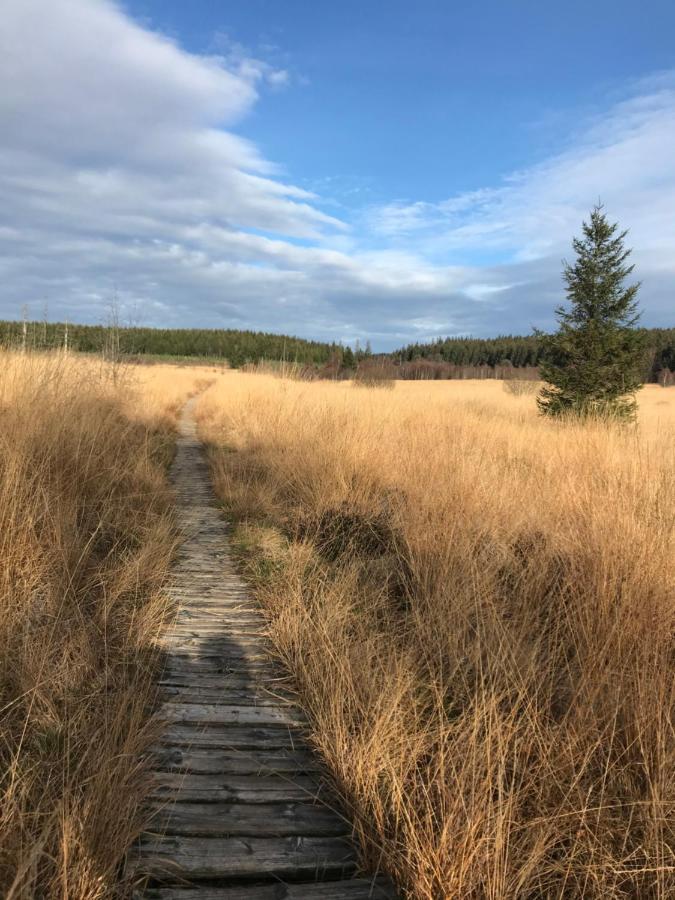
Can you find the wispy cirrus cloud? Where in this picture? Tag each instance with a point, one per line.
(121, 170)
(624, 157)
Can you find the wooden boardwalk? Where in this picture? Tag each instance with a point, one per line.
(240, 808)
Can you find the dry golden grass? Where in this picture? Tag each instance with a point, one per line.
(478, 607)
(161, 389)
(86, 536)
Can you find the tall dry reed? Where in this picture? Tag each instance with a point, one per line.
(86, 536)
(478, 608)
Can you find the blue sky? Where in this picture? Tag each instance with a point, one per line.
(424, 100)
(391, 171)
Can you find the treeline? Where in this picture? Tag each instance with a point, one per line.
(421, 369)
(447, 354)
(237, 347)
(452, 357)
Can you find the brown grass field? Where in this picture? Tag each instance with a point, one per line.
(477, 606)
(86, 536)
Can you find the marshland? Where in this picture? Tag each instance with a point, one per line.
(474, 604)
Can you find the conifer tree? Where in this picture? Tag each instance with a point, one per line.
(348, 361)
(592, 364)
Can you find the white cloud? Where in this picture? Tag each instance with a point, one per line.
(102, 119)
(119, 170)
(236, 58)
(626, 158)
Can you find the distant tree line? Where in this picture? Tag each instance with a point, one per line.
(453, 354)
(237, 347)
(452, 357)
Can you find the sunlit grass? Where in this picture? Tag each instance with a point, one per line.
(478, 607)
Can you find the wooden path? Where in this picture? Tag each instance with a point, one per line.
(240, 808)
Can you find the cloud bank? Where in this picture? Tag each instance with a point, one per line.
(121, 172)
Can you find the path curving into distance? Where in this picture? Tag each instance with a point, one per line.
(240, 807)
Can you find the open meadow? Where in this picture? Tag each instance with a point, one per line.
(474, 604)
(477, 606)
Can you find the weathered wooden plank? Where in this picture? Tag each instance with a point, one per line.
(204, 761)
(219, 665)
(221, 609)
(258, 680)
(217, 641)
(227, 696)
(240, 644)
(224, 582)
(244, 648)
(210, 579)
(210, 544)
(242, 667)
(206, 618)
(345, 889)
(217, 714)
(197, 558)
(264, 676)
(227, 583)
(190, 587)
(234, 788)
(216, 632)
(214, 598)
(221, 643)
(215, 624)
(241, 661)
(192, 592)
(227, 613)
(242, 819)
(202, 604)
(174, 858)
(201, 600)
(232, 737)
(352, 889)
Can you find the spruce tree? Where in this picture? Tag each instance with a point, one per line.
(592, 364)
